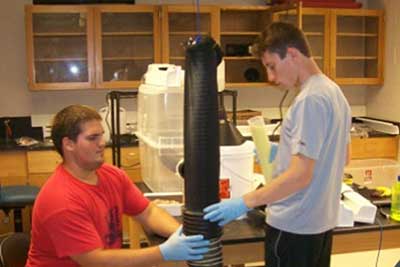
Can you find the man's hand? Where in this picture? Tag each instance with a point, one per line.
(225, 211)
(179, 247)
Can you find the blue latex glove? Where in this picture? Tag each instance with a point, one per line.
(272, 153)
(225, 211)
(179, 247)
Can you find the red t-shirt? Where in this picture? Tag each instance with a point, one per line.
(71, 217)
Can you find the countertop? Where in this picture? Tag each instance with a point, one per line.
(127, 140)
(251, 229)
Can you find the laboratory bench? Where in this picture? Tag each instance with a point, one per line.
(243, 240)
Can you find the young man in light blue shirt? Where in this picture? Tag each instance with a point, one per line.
(303, 197)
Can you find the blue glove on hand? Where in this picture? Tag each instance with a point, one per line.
(225, 211)
(179, 247)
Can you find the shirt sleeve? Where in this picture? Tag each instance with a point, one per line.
(311, 118)
(72, 233)
(134, 200)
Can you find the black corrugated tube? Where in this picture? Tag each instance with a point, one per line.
(201, 139)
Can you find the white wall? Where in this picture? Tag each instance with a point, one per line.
(384, 102)
(17, 100)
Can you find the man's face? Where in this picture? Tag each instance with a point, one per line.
(280, 71)
(88, 150)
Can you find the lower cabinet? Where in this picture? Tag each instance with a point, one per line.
(13, 172)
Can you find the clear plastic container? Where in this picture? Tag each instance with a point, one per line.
(158, 161)
(160, 127)
(160, 111)
(373, 172)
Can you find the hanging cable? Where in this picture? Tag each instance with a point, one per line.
(280, 112)
(198, 37)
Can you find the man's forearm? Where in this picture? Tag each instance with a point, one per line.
(120, 257)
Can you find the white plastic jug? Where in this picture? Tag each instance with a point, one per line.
(105, 113)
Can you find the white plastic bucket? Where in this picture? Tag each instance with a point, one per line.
(236, 170)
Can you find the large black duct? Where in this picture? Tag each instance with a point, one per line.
(201, 144)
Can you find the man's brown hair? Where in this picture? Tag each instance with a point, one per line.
(278, 37)
(68, 121)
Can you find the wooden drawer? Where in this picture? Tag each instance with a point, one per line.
(130, 161)
(40, 162)
(13, 164)
(377, 147)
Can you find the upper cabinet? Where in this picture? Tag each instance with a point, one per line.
(110, 46)
(59, 47)
(347, 44)
(357, 46)
(179, 23)
(80, 47)
(126, 42)
(239, 28)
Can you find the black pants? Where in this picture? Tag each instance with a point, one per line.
(283, 249)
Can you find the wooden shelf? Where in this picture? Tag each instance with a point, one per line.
(247, 85)
(356, 34)
(127, 34)
(59, 34)
(314, 33)
(356, 58)
(251, 33)
(177, 58)
(188, 33)
(126, 58)
(61, 59)
(241, 58)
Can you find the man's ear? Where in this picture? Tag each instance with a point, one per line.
(68, 144)
(293, 52)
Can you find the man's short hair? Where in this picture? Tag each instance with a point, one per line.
(68, 121)
(278, 37)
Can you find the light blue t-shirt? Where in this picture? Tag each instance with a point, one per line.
(317, 125)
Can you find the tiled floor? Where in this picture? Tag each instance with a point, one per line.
(387, 258)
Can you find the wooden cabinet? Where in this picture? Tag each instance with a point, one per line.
(357, 46)
(13, 168)
(378, 147)
(240, 26)
(130, 161)
(126, 42)
(179, 23)
(41, 164)
(80, 47)
(59, 47)
(347, 44)
(13, 172)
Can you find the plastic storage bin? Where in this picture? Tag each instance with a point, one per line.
(160, 127)
(160, 111)
(373, 172)
(158, 161)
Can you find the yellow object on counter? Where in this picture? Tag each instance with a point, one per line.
(263, 146)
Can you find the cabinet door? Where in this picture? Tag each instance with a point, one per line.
(59, 47)
(315, 24)
(357, 46)
(41, 164)
(179, 23)
(240, 26)
(126, 43)
(13, 169)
